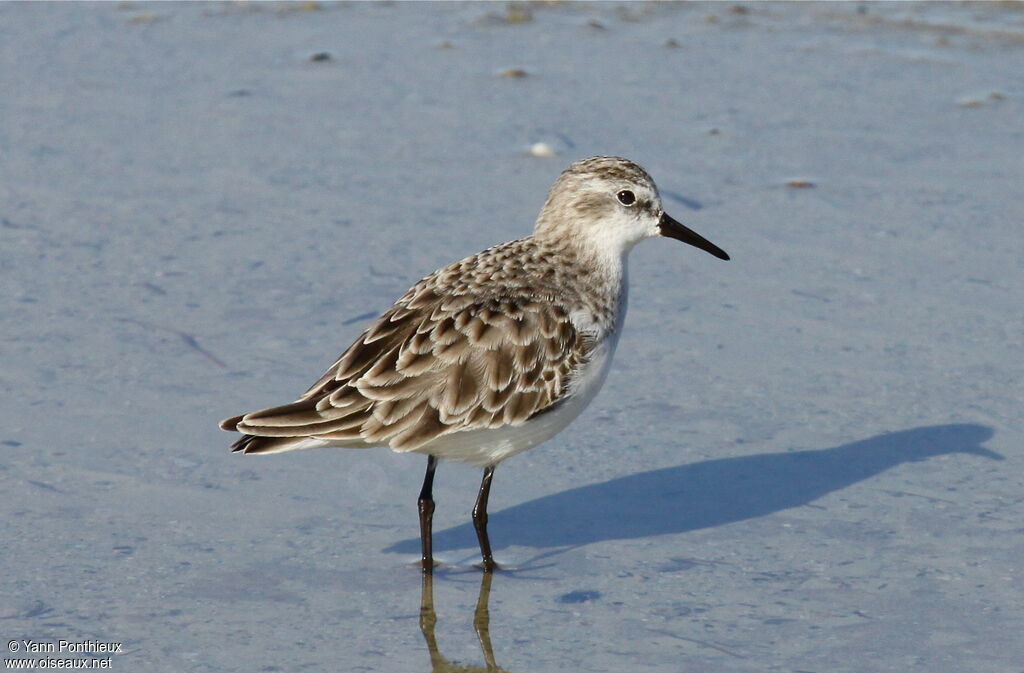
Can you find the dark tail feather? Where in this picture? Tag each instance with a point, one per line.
(255, 444)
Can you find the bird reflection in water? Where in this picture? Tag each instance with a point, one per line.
(481, 624)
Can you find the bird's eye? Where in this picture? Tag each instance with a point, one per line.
(626, 197)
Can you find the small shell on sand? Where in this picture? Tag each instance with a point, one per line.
(542, 150)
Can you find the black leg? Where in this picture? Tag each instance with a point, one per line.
(426, 504)
(480, 519)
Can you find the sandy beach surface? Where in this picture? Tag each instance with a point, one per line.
(807, 459)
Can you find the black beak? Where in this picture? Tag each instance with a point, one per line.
(673, 229)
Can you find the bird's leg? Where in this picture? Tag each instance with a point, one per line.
(480, 519)
(426, 505)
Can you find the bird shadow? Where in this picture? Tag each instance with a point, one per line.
(707, 494)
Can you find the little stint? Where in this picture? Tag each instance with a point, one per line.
(492, 355)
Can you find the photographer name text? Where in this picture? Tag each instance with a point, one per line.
(66, 647)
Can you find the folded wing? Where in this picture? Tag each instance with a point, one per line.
(430, 366)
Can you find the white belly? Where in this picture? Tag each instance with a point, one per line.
(489, 447)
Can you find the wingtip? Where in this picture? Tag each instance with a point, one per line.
(231, 424)
(243, 442)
